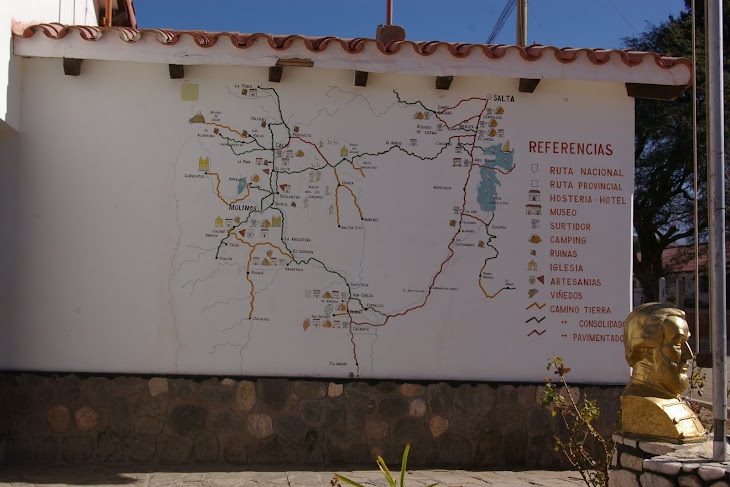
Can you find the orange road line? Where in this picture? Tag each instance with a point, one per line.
(339, 185)
(341, 314)
(357, 168)
(218, 187)
(354, 198)
(482, 287)
(227, 127)
(538, 305)
(248, 264)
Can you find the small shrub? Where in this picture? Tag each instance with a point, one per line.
(580, 419)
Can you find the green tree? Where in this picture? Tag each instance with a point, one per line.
(664, 193)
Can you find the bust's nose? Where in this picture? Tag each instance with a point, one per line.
(687, 351)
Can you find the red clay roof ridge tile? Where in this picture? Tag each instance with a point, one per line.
(204, 39)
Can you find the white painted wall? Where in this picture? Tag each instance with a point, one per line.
(70, 12)
(91, 220)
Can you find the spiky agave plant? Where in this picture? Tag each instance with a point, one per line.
(386, 472)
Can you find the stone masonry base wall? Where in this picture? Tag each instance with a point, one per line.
(640, 463)
(168, 420)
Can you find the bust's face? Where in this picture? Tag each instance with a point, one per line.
(671, 358)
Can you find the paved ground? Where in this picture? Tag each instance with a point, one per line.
(153, 476)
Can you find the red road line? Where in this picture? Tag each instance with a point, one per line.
(451, 243)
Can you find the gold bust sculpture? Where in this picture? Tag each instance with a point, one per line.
(655, 339)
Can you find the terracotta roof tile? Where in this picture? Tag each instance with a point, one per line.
(205, 39)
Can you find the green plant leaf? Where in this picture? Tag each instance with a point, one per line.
(431, 485)
(403, 465)
(347, 481)
(384, 468)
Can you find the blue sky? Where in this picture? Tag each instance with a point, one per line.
(561, 23)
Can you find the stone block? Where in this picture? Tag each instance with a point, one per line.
(175, 450)
(503, 415)
(468, 427)
(454, 451)
(464, 399)
(438, 426)
(623, 478)
(439, 397)
(335, 418)
(648, 479)
(97, 391)
(709, 472)
(719, 483)
(140, 448)
(85, 419)
(393, 407)
(273, 450)
(186, 419)
(386, 387)
(506, 393)
(541, 452)
(47, 395)
(489, 450)
(412, 430)
(225, 419)
(58, 418)
(119, 416)
(260, 425)
(666, 467)
(183, 389)
(526, 395)
(412, 390)
(376, 429)
(228, 382)
(157, 386)
(48, 449)
(689, 481)
(148, 418)
(655, 447)
(514, 447)
(357, 390)
(69, 391)
(631, 462)
(310, 389)
(20, 450)
(292, 428)
(538, 420)
(235, 450)
(212, 392)
(347, 452)
(205, 448)
(128, 385)
(484, 398)
(77, 449)
(311, 411)
(356, 414)
(245, 396)
(273, 393)
(109, 448)
(334, 390)
(417, 408)
(313, 452)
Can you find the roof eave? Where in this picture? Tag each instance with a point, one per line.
(436, 59)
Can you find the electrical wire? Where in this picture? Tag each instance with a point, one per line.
(638, 34)
(534, 15)
(502, 19)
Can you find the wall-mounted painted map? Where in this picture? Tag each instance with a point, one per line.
(401, 231)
